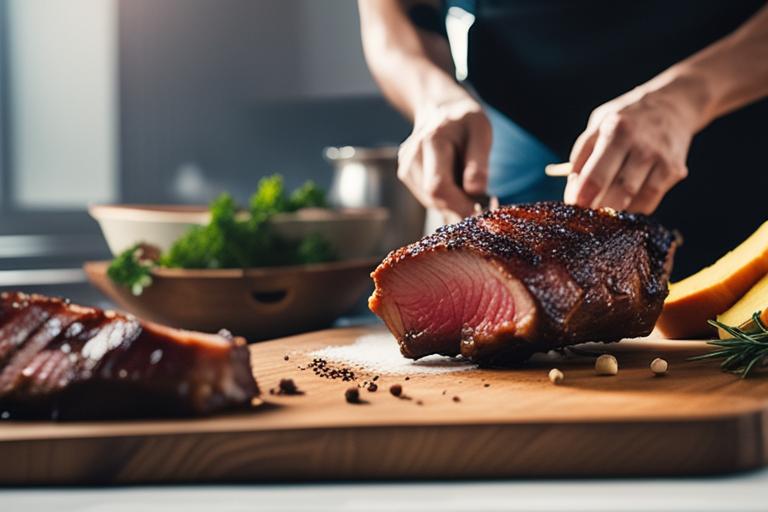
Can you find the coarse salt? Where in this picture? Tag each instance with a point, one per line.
(380, 353)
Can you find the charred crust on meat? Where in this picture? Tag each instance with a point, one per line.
(591, 274)
(63, 361)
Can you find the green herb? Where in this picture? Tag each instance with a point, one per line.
(315, 249)
(744, 351)
(133, 268)
(269, 198)
(232, 239)
(225, 242)
(309, 195)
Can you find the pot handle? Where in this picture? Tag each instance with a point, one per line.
(269, 296)
(271, 299)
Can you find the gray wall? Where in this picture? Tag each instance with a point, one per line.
(239, 89)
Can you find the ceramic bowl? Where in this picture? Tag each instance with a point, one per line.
(353, 232)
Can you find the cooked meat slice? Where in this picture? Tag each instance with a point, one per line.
(71, 362)
(526, 278)
(22, 362)
(20, 316)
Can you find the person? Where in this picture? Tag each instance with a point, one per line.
(672, 95)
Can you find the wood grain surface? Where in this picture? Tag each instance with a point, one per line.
(694, 420)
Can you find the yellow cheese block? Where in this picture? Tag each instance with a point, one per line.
(740, 315)
(711, 291)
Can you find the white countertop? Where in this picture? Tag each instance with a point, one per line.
(744, 492)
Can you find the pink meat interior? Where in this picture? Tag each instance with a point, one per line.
(437, 297)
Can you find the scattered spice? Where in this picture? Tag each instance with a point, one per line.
(372, 387)
(321, 368)
(352, 396)
(379, 354)
(396, 390)
(556, 376)
(444, 391)
(659, 366)
(407, 378)
(606, 364)
(285, 357)
(456, 399)
(419, 402)
(288, 387)
(486, 385)
(375, 377)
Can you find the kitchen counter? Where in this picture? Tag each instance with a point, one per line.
(744, 492)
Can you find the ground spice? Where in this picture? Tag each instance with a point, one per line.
(379, 354)
(396, 390)
(456, 399)
(322, 368)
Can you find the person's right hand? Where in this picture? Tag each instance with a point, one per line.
(451, 139)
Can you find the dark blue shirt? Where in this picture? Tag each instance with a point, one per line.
(546, 64)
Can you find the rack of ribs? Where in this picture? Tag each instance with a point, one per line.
(521, 279)
(63, 361)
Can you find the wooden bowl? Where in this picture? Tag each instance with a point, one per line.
(353, 232)
(259, 303)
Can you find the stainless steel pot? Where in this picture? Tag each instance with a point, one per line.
(367, 177)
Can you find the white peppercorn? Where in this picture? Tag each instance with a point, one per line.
(556, 376)
(606, 364)
(659, 366)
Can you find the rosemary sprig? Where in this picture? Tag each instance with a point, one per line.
(744, 351)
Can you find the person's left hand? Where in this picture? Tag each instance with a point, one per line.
(633, 150)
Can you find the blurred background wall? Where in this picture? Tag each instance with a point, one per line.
(234, 89)
(174, 100)
(150, 101)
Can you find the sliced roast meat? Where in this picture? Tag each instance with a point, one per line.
(522, 279)
(59, 360)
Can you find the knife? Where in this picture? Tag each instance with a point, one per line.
(484, 202)
(481, 202)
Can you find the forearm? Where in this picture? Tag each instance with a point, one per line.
(725, 76)
(412, 67)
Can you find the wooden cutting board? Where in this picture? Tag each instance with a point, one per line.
(695, 420)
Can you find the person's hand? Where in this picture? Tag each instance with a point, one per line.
(633, 150)
(445, 159)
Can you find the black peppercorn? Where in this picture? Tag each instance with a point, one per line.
(352, 395)
(288, 387)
